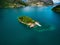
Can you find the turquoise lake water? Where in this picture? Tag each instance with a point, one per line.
(14, 33)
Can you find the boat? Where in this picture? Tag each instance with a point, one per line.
(28, 21)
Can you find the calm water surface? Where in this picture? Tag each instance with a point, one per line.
(14, 33)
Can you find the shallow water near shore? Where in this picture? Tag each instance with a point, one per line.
(14, 33)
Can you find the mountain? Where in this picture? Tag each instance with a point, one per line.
(12, 3)
(48, 2)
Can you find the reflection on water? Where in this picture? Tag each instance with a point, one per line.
(45, 28)
(14, 33)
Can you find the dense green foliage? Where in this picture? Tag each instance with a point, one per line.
(26, 19)
(3, 3)
(7, 3)
(56, 9)
(23, 3)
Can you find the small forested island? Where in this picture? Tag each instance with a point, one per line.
(56, 8)
(28, 21)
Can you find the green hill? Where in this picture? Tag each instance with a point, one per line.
(12, 3)
(56, 8)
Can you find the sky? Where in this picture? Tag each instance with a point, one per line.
(55, 1)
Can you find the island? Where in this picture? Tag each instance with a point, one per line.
(56, 9)
(28, 21)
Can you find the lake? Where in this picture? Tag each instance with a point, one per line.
(14, 33)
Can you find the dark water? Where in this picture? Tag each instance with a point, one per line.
(14, 33)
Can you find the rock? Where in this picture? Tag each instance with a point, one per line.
(56, 8)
